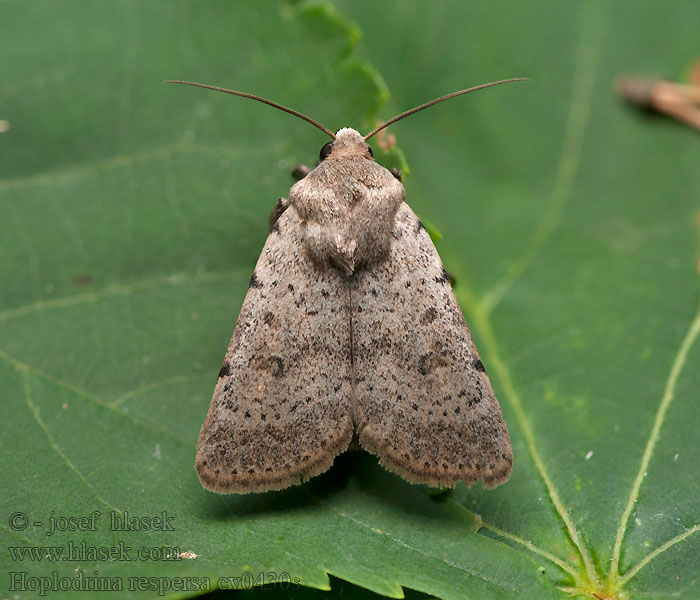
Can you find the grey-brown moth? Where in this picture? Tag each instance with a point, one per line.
(350, 330)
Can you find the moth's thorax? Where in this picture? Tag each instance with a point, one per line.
(348, 204)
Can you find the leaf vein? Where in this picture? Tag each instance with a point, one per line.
(37, 417)
(25, 367)
(653, 554)
(117, 290)
(483, 322)
(534, 549)
(668, 395)
(569, 160)
(408, 546)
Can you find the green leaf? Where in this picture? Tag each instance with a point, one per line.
(133, 212)
(570, 222)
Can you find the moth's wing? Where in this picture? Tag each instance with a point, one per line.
(281, 409)
(425, 403)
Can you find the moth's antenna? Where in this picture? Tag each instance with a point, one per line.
(259, 99)
(440, 99)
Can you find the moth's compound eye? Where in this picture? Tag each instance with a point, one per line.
(326, 150)
(370, 151)
(396, 173)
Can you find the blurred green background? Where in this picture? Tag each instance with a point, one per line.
(132, 214)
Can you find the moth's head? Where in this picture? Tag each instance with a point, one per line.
(348, 143)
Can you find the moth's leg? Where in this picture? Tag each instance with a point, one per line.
(280, 207)
(396, 173)
(300, 171)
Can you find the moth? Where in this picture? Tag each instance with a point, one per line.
(350, 331)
